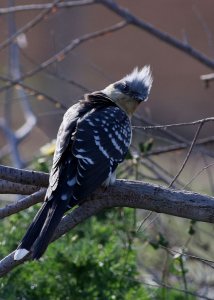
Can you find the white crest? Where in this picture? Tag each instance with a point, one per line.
(138, 76)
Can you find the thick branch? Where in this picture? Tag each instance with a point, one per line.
(24, 176)
(8, 187)
(136, 195)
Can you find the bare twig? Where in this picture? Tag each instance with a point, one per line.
(164, 127)
(163, 36)
(161, 284)
(62, 54)
(197, 174)
(179, 146)
(29, 25)
(11, 145)
(60, 76)
(205, 26)
(208, 262)
(188, 154)
(161, 172)
(22, 204)
(144, 220)
(30, 7)
(12, 69)
(30, 118)
(34, 92)
(179, 138)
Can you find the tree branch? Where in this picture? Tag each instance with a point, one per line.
(59, 56)
(188, 154)
(163, 36)
(132, 194)
(29, 25)
(24, 176)
(7, 187)
(179, 146)
(22, 204)
(30, 7)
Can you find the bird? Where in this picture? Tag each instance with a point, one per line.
(92, 140)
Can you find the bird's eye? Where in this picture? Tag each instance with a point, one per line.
(122, 87)
(125, 87)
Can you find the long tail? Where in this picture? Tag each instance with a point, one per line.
(55, 215)
(42, 229)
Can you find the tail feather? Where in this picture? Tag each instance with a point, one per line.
(55, 215)
(35, 227)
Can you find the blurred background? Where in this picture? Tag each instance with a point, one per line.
(48, 63)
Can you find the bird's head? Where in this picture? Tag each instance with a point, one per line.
(131, 90)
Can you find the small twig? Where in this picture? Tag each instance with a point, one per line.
(164, 174)
(58, 76)
(30, 7)
(208, 262)
(13, 63)
(205, 27)
(161, 284)
(144, 220)
(12, 142)
(34, 92)
(29, 25)
(176, 137)
(183, 272)
(188, 154)
(22, 204)
(179, 146)
(193, 123)
(15, 72)
(197, 174)
(62, 53)
(210, 174)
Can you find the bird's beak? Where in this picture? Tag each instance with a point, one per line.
(141, 99)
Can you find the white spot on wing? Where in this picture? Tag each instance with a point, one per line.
(117, 147)
(89, 122)
(96, 137)
(64, 197)
(81, 150)
(104, 152)
(72, 181)
(86, 159)
(81, 165)
(75, 198)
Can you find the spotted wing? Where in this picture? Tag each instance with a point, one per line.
(101, 142)
(63, 154)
